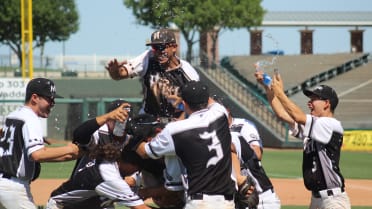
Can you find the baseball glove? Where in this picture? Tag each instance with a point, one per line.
(243, 199)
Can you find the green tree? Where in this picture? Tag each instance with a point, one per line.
(194, 16)
(52, 21)
(232, 14)
(164, 13)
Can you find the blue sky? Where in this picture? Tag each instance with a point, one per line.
(108, 28)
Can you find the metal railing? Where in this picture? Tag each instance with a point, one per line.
(323, 76)
(248, 99)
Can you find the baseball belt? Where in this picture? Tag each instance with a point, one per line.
(328, 192)
(199, 196)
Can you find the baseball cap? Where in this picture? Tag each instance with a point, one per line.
(162, 36)
(115, 104)
(195, 92)
(324, 92)
(43, 87)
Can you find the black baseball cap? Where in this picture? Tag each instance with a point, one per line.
(43, 87)
(162, 36)
(195, 92)
(324, 92)
(115, 104)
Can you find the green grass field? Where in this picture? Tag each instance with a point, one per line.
(287, 164)
(277, 163)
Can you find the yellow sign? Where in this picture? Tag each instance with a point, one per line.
(360, 140)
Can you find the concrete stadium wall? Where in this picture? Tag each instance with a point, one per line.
(67, 115)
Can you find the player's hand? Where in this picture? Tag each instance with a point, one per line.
(172, 95)
(120, 113)
(259, 76)
(116, 69)
(247, 195)
(277, 84)
(278, 79)
(176, 100)
(130, 181)
(75, 151)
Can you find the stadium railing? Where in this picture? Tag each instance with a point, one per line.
(248, 99)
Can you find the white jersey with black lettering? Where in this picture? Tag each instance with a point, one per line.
(245, 134)
(323, 138)
(23, 135)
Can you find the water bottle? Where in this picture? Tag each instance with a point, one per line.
(266, 79)
(120, 126)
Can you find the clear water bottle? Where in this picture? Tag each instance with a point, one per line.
(120, 126)
(266, 78)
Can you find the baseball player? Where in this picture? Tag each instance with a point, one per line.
(203, 143)
(162, 73)
(22, 145)
(97, 179)
(101, 129)
(153, 181)
(97, 183)
(322, 135)
(248, 147)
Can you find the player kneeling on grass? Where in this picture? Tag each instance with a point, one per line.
(96, 179)
(98, 183)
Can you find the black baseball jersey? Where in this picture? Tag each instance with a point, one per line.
(244, 133)
(203, 144)
(89, 134)
(95, 180)
(22, 136)
(323, 137)
(93, 183)
(156, 80)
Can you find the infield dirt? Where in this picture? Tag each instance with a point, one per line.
(290, 191)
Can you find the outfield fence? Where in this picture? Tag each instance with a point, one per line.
(67, 114)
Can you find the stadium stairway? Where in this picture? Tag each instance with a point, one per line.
(244, 102)
(355, 99)
(348, 73)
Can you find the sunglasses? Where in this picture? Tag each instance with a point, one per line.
(159, 47)
(48, 99)
(315, 98)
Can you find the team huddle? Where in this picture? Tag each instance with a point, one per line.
(183, 149)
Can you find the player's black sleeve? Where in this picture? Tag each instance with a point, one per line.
(247, 151)
(83, 132)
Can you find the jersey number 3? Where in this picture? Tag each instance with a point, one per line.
(215, 145)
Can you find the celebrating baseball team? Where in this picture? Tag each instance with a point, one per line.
(183, 149)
